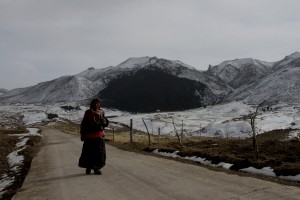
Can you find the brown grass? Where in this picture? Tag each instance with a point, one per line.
(275, 150)
(7, 145)
(66, 126)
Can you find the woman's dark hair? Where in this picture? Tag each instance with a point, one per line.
(95, 101)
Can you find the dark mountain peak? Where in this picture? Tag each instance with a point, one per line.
(151, 89)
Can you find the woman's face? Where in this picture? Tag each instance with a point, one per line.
(96, 106)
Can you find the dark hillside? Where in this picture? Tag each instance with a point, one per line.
(152, 89)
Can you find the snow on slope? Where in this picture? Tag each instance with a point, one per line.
(270, 89)
(240, 79)
(290, 60)
(66, 88)
(280, 85)
(240, 72)
(183, 70)
(134, 62)
(90, 82)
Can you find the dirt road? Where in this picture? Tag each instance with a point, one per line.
(54, 175)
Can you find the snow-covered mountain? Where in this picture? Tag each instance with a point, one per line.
(280, 83)
(90, 82)
(150, 84)
(61, 89)
(240, 72)
(175, 68)
(247, 79)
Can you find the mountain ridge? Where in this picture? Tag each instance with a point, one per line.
(244, 79)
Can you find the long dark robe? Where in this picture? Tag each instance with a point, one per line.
(93, 155)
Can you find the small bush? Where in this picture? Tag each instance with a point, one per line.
(52, 116)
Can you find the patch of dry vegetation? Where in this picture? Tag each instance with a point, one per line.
(65, 126)
(275, 150)
(8, 145)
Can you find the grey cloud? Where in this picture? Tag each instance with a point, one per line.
(48, 39)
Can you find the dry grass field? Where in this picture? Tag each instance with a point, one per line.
(275, 150)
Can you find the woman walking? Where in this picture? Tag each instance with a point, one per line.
(92, 133)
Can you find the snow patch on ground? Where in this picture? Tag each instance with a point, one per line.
(5, 181)
(15, 160)
(267, 171)
(224, 120)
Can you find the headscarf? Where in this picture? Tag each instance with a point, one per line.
(94, 101)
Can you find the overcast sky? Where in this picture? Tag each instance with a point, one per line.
(41, 40)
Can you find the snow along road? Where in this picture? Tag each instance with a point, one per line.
(54, 174)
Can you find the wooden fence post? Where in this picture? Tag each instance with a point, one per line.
(158, 135)
(178, 137)
(131, 130)
(181, 130)
(113, 134)
(200, 129)
(149, 140)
